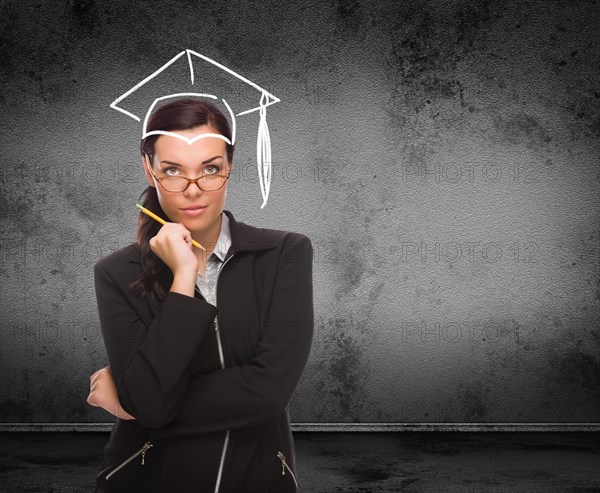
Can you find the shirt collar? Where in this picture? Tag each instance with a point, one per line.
(224, 240)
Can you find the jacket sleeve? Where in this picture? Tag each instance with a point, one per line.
(149, 364)
(259, 391)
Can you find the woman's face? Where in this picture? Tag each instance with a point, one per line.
(175, 157)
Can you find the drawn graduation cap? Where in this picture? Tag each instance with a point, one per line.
(206, 78)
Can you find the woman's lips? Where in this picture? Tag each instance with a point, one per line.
(194, 210)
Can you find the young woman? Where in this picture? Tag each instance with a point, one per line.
(206, 348)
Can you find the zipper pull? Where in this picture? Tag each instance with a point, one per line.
(282, 457)
(146, 446)
(284, 465)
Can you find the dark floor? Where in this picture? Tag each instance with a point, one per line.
(327, 461)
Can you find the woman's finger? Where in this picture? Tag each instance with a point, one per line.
(91, 399)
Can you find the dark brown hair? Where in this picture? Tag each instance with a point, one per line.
(182, 114)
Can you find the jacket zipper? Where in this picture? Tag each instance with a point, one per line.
(146, 446)
(284, 465)
(222, 359)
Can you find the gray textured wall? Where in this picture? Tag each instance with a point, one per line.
(442, 156)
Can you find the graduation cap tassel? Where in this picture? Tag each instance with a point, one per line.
(263, 151)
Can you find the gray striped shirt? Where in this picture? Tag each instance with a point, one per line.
(207, 284)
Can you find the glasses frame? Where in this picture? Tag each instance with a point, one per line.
(189, 180)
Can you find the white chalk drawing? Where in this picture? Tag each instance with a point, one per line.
(263, 143)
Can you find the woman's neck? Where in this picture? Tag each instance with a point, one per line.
(208, 238)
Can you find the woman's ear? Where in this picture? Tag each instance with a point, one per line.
(146, 159)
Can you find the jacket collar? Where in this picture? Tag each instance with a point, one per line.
(243, 238)
(224, 241)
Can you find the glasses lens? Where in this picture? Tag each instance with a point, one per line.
(211, 182)
(174, 183)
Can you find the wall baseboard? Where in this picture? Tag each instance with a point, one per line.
(342, 427)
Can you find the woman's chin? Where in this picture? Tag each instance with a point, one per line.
(195, 222)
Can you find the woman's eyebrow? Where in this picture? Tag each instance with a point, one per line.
(180, 165)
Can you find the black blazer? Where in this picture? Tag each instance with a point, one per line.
(209, 386)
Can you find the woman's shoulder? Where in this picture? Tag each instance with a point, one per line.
(246, 234)
(285, 238)
(120, 259)
(284, 235)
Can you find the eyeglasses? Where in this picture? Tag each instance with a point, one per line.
(210, 182)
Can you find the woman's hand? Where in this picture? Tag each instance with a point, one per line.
(173, 245)
(103, 393)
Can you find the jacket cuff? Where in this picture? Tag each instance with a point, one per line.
(189, 302)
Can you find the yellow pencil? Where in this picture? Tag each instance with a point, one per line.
(162, 221)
